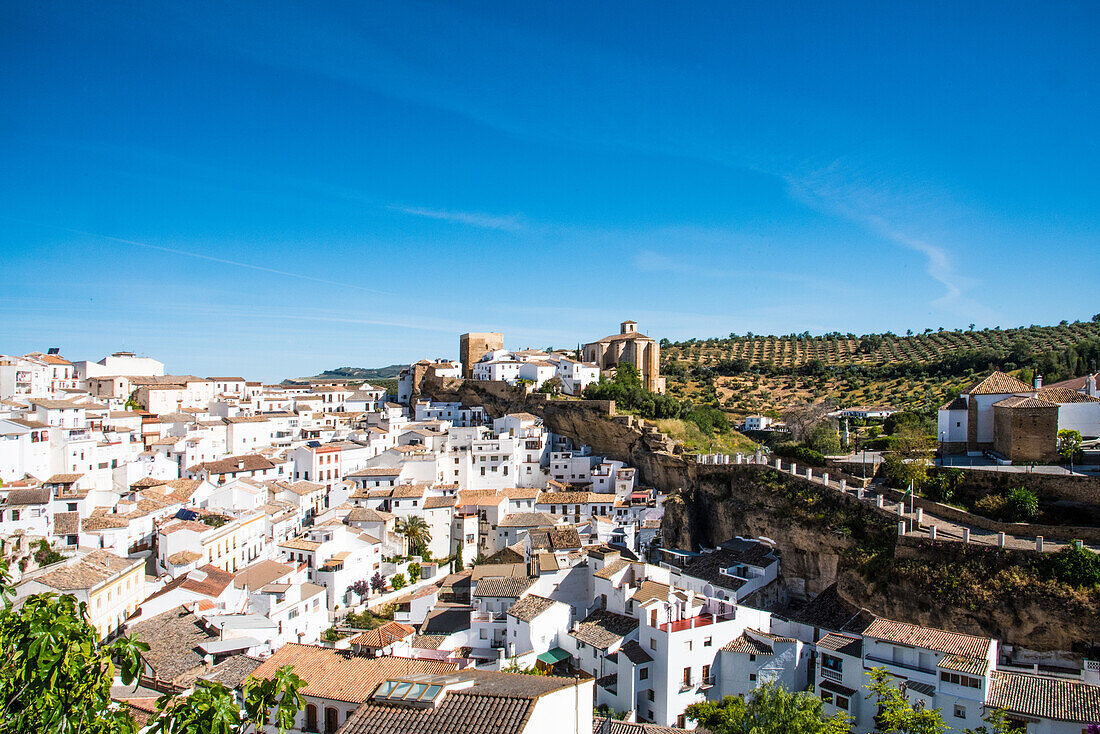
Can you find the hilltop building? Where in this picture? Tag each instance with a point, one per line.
(473, 346)
(1016, 420)
(629, 345)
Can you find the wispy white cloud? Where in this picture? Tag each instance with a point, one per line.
(201, 256)
(504, 223)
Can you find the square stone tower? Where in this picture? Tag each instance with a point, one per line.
(472, 347)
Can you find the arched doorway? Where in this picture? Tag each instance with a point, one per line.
(311, 718)
(332, 722)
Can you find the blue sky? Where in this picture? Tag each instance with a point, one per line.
(272, 189)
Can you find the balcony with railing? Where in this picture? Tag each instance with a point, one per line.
(897, 664)
(490, 617)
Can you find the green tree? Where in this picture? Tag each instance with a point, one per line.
(1069, 445)
(417, 534)
(1075, 566)
(771, 709)
(414, 572)
(398, 581)
(910, 457)
(895, 714)
(57, 678)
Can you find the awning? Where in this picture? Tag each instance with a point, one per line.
(554, 656)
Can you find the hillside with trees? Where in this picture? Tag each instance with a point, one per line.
(753, 373)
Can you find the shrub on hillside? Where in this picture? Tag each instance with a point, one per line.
(1075, 566)
(800, 454)
(1021, 505)
(992, 505)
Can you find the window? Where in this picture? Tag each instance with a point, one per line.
(960, 711)
(652, 643)
(752, 677)
(706, 673)
(960, 680)
(687, 645)
(484, 635)
(681, 721)
(752, 658)
(687, 676)
(649, 695)
(826, 696)
(643, 673)
(842, 703)
(707, 641)
(831, 662)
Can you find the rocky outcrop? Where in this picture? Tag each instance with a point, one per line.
(823, 537)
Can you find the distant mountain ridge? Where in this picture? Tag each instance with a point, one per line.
(361, 373)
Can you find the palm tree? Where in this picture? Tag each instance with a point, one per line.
(416, 533)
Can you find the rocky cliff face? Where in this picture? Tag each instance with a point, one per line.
(822, 537)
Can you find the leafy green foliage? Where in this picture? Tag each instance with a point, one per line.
(1075, 566)
(57, 679)
(898, 716)
(626, 389)
(414, 572)
(772, 709)
(1069, 445)
(398, 581)
(910, 458)
(801, 454)
(45, 554)
(416, 532)
(1021, 505)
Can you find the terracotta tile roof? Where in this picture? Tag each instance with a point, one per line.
(1048, 698)
(408, 491)
(301, 544)
(428, 642)
(510, 587)
(556, 538)
(962, 664)
(952, 643)
(1022, 401)
(300, 488)
(749, 645)
(614, 726)
(383, 636)
(529, 607)
(497, 703)
(173, 637)
(635, 653)
(527, 520)
(1065, 395)
(612, 568)
(998, 383)
(436, 503)
(66, 523)
(63, 478)
(603, 628)
(481, 497)
(649, 590)
(958, 403)
(260, 574)
(573, 498)
(83, 573)
(341, 676)
(249, 463)
(22, 497)
(521, 493)
(841, 643)
(366, 514)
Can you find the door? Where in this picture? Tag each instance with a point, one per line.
(331, 720)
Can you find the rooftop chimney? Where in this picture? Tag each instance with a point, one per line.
(1038, 382)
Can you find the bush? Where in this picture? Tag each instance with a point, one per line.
(800, 454)
(1075, 566)
(398, 581)
(414, 572)
(992, 505)
(1021, 505)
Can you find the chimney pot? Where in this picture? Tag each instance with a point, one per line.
(1038, 382)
